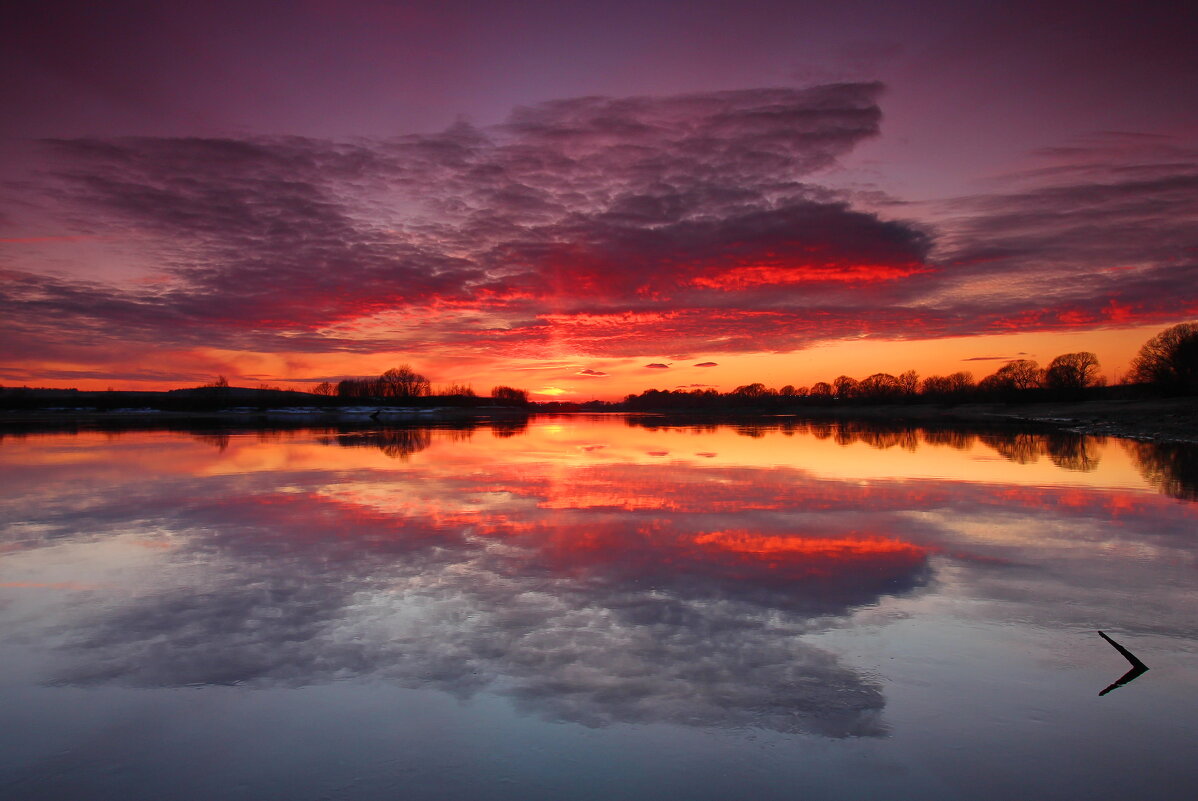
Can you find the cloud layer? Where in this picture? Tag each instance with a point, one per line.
(597, 226)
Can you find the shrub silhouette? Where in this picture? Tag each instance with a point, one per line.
(509, 396)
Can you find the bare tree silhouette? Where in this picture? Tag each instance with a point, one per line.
(403, 382)
(1072, 374)
(1169, 360)
(821, 390)
(1015, 376)
(844, 386)
(879, 388)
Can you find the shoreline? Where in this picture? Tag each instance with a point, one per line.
(1156, 420)
(15, 421)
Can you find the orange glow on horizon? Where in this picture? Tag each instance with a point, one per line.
(622, 375)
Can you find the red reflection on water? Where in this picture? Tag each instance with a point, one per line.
(666, 548)
(1088, 502)
(583, 543)
(638, 525)
(802, 556)
(732, 490)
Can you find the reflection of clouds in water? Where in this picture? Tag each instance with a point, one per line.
(613, 624)
(611, 593)
(1068, 590)
(1077, 560)
(595, 651)
(623, 654)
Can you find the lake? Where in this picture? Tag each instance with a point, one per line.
(597, 608)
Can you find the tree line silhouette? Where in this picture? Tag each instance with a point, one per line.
(1167, 364)
(402, 384)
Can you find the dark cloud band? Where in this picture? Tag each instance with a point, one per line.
(621, 226)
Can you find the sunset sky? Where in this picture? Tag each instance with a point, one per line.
(589, 199)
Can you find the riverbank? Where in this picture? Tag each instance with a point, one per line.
(250, 417)
(1157, 420)
(1160, 420)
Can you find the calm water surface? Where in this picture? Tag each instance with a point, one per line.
(596, 608)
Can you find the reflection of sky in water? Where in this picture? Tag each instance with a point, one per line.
(755, 579)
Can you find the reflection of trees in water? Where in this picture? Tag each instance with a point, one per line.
(953, 438)
(1171, 467)
(1013, 446)
(464, 434)
(905, 438)
(874, 433)
(657, 423)
(1074, 451)
(509, 428)
(1066, 450)
(398, 443)
(219, 440)
(871, 433)
(821, 429)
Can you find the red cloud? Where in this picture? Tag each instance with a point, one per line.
(755, 275)
(611, 226)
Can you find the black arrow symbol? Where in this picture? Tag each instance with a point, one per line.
(1137, 667)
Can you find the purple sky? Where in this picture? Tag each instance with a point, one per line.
(461, 184)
